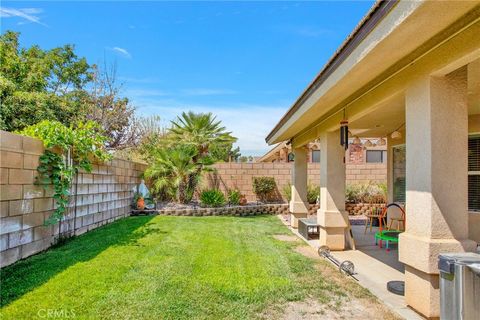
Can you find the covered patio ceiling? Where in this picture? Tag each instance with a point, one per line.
(374, 74)
(387, 117)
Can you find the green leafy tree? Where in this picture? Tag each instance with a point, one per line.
(38, 84)
(111, 110)
(225, 153)
(151, 136)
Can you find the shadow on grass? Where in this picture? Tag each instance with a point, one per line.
(26, 275)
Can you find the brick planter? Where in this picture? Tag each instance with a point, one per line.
(238, 211)
(361, 208)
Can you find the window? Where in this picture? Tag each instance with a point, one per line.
(315, 155)
(474, 173)
(399, 173)
(376, 156)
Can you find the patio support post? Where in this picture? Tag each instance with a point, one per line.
(332, 216)
(436, 185)
(298, 202)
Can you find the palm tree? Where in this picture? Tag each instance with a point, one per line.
(171, 173)
(201, 131)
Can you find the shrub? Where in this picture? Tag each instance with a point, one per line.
(287, 191)
(366, 193)
(313, 191)
(234, 197)
(264, 187)
(212, 198)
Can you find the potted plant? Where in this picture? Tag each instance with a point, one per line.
(139, 201)
(243, 200)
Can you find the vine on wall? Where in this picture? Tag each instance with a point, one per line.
(67, 150)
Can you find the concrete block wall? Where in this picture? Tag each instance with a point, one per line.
(103, 196)
(240, 175)
(363, 173)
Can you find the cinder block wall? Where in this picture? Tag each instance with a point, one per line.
(240, 175)
(103, 196)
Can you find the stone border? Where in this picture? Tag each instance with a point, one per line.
(237, 211)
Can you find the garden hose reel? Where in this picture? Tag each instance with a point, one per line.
(346, 267)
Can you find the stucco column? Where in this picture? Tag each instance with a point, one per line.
(436, 183)
(332, 216)
(298, 202)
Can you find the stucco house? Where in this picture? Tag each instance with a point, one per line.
(410, 72)
(365, 151)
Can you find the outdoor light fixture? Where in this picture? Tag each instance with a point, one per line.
(344, 133)
(368, 143)
(381, 142)
(396, 135)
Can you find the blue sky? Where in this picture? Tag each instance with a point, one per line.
(246, 62)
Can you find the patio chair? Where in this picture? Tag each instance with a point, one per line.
(387, 235)
(374, 214)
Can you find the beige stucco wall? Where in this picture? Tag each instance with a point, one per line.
(104, 195)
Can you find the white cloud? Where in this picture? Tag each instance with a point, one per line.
(29, 14)
(248, 122)
(122, 52)
(207, 92)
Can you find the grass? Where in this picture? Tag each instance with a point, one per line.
(167, 268)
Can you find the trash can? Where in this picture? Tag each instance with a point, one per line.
(459, 285)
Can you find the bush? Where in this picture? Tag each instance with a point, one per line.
(234, 197)
(264, 187)
(366, 193)
(287, 191)
(212, 198)
(313, 191)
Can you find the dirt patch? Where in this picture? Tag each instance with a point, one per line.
(286, 238)
(357, 303)
(342, 308)
(308, 251)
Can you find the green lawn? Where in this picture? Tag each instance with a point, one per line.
(167, 267)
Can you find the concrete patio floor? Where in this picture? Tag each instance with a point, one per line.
(374, 267)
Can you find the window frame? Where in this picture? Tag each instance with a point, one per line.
(403, 145)
(318, 156)
(472, 173)
(383, 156)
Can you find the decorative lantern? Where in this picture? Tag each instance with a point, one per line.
(344, 134)
(356, 140)
(396, 135)
(381, 142)
(368, 143)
